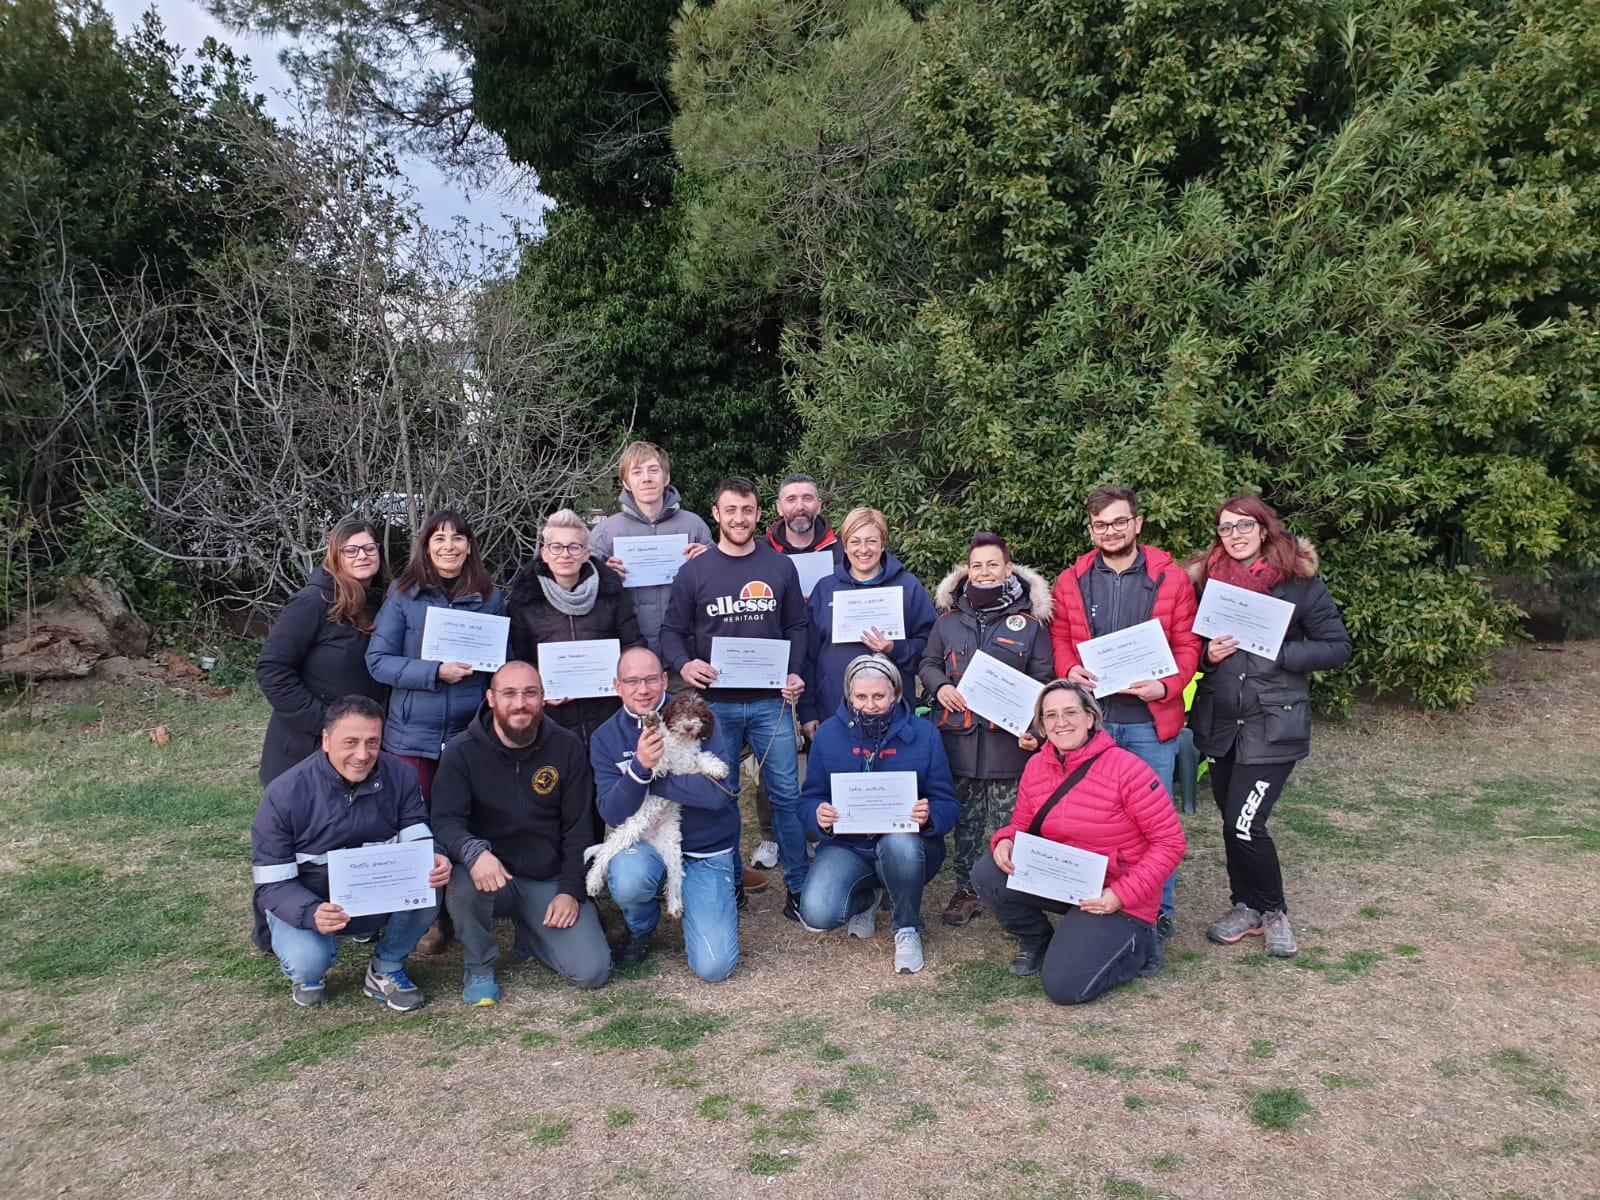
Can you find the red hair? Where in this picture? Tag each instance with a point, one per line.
(1278, 545)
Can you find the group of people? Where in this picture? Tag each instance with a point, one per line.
(370, 743)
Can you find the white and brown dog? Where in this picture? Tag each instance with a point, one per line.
(686, 723)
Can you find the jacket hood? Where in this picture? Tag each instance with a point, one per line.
(1306, 562)
(824, 539)
(671, 502)
(525, 588)
(1035, 597)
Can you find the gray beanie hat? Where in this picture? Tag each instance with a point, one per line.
(873, 664)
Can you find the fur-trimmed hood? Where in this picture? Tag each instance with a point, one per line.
(1035, 591)
(1306, 562)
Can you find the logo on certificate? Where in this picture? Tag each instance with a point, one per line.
(545, 780)
(1016, 623)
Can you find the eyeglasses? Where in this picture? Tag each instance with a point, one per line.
(1119, 525)
(638, 681)
(565, 549)
(1235, 526)
(1054, 717)
(370, 550)
(527, 693)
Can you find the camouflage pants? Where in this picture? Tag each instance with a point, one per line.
(986, 804)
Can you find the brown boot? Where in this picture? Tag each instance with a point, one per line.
(962, 908)
(754, 880)
(433, 941)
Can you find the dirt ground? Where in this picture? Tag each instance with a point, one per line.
(1439, 1035)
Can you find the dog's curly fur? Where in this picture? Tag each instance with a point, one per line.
(687, 722)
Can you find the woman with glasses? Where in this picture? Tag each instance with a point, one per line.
(1082, 790)
(1252, 714)
(568, 596)
(317, 649)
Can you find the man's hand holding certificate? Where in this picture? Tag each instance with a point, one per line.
(1133, 655)
(387, 878)
(650, 561)
(750, 662)
(874, 802)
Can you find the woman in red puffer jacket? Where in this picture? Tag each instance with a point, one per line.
(1115, 806)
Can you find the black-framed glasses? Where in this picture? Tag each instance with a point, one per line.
(566, 549)
(370, 550)
(1119, 524)
(1244, 526)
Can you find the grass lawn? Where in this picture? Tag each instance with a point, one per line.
(1438, 1036)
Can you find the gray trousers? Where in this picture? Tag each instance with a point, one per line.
(579, 955)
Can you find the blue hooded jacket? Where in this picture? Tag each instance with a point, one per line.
(827, 659)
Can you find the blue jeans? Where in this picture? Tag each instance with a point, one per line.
(710, 916)
(1162, 758)
(305, 955)
(768, 727)
(843, 883)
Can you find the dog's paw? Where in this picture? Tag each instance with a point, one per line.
(715, 769)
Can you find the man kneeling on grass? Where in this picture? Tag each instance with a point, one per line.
(346, 795)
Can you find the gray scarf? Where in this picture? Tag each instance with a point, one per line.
(579, 601)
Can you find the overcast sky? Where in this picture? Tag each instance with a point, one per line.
(441, 198)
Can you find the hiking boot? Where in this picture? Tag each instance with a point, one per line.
(1154, 960)
(963, 906)
(1163, 927)
(766, 856)
(1238, 922)
(394, 989)
(1030, 956)
(865, 923)
(1279, 934)
(433, 941)
(633, 949)
(307, 995)
(907, 951)
(753, 881)
(480, 990)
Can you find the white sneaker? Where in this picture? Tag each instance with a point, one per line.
(907, 951)
(766, 856)
(864, 924)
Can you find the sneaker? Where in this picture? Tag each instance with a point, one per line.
(864, 924)
(1239, 921)
(480, 991)
(1163, 927)
(394, 989)
(907, 951)
(1279, 935)
(791, 907)
(307, 995)
(365, 939)
(766, 856)
(432, 942)
(1154, 960)
(963, 906)
(632, 950)
(1030, 956)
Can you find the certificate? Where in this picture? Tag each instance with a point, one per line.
(1054, 870)
(1256, 621)
(874, 801)
(651, 561)
(857, 610)
(458, 635)
(750, 662)
(575, 670)
(1000, 693)
(811, 568)
(386, 878)
(1127, 656)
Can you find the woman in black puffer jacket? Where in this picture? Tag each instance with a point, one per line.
(1252, 715)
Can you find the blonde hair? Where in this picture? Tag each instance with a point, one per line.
(635, 453)
(856, 518)
(565, 518)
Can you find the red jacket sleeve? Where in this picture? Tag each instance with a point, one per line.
(1185, 642)
(1065, 601)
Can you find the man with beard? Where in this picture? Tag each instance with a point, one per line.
(801, 528)
(511, 807)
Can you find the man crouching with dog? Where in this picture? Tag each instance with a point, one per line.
(627, 754)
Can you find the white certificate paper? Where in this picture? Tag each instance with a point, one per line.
(811, 568)
(1258, 622)
(750, 662)
(381, 879)
(1000, 693)
(456, 635)
(1055, 871)
(651, 560)
(874, 801)
(576, 670)
(856, 610)
(1127, 656)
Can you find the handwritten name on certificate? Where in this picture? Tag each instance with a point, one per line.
(651, 560)
(381, 879)
(457, 635)
(1000, 693)
(1127, 656)
(860, 609)
(577, 670)
(1055, 871)
(750, 662)
(812, 568)
(1256, 621)
(874, 801)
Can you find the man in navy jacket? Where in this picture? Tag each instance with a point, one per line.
(346, 795)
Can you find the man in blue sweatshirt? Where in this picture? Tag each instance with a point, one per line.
(624, 755)
(742, 588)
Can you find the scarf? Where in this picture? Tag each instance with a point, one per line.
(579, 601)
(874, 726)
(1260, 576)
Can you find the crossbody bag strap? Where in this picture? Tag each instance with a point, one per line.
(1036, 826)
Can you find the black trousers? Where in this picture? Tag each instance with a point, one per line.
(1089, 954)
(1246, 794)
